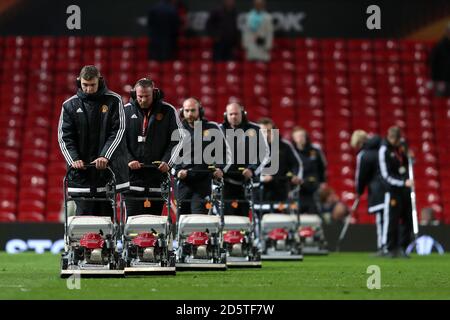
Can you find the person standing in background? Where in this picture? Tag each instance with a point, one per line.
(163, 25)
(222, 26)
(314, 170)
(440, 65)
(257, 35)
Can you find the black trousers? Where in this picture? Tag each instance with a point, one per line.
(192, 197)
(152, 206)
(399, 219)
(308, 202)
(235, 192)
(94, 208)
(275, 192)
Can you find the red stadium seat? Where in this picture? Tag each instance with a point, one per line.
(30, 216)
(7, 217)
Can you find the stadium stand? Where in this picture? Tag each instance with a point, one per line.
(329, 86)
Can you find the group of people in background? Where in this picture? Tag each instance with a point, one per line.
(165, 21)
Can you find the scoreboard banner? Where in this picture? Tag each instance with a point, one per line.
(320, 18)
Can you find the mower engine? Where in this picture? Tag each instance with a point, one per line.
(278, 237)
(92, 245)
(197, 245)
(307, 234)
(146, 246)
(234, 242)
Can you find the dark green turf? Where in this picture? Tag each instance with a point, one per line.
(337, 276)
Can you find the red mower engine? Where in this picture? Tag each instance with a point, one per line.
(278, 238)
(278, 234)
(145, 240)
(198, 238)
(145, 246)
(307, 234)
(199, 244)
(93, 246)
(234, 239)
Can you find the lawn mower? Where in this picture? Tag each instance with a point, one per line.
(147, 239)
(199, 236)
(89, 240)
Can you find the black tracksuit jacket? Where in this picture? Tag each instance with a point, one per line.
(314, 168)
(209, 131)
(393, 163)
(288, 162)
(162, 143)
(255, 164)
(92, 126)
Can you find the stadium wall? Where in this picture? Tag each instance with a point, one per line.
(320, 18)
(43, 237)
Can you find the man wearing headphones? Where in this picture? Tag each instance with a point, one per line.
(90, 131)
(314, 170)
(154, 139)
(290, 168)
(193, 186)
(246, 163)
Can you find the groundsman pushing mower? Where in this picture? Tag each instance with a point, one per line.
(147, 239)
(280, 223)
(312, 235)
(90, 241)
(199, 236)
(241, 235)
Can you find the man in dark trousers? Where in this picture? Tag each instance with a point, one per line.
(290, 169)
(154, 138)
(393, 163)
(314, 170)
(440, 65)
(91, 131)
(240, 134)
(193, 189)
(368, 175)
(222, 25)
(163, 25)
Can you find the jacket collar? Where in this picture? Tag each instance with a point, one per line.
(155, 107)
(102, 89)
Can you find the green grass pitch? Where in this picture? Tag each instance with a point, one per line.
(337, 276)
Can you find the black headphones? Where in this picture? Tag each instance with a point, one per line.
(244, 114)
(157, 94)
(101, 82)
(201, 111)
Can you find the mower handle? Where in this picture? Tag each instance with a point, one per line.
(88, 166)
(288, 176)
(153, 165)
(210, 169)
(238, 171)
